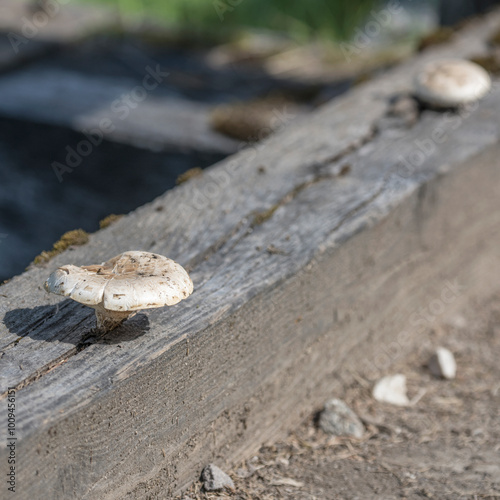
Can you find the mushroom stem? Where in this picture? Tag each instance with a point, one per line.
(109, 320)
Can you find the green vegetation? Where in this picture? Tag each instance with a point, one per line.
(332, 19)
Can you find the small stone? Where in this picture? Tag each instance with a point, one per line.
(451, 83)
(287, 481)
(457, 322)
(442, 364)
(338, 419)
(215, 479)
(391, 389)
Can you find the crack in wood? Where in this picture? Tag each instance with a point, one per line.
(246, 226)
(259, 218)
(38, 323)
(263, 216)
(42, 371)
(49, 366)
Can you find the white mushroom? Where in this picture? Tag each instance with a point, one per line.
(122, 286)
(451, 83)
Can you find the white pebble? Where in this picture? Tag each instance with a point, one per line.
(391, 389)
(443, 364)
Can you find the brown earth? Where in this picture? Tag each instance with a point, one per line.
(446, 445)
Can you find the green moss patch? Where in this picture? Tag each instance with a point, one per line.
(110, 219)
(77, 237)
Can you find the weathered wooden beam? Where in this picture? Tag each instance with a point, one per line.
(310, 254)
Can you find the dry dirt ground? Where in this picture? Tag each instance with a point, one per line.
(445, 446)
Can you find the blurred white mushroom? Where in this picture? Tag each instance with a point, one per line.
(451, 83)
(122, 286)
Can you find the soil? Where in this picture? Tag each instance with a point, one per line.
(446, 445)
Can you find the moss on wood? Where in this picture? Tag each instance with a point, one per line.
(249, 121)
(489, 62)
(441, 35)
(265, 215)
(110, 219)
(495, 39)
(189, 174)
(76, 237)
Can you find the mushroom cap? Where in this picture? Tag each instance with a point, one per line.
(451, 83)
(130, 281)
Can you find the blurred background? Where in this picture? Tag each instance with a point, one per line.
(106, 104)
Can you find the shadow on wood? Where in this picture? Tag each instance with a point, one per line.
(131, 329)
(32, 322)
